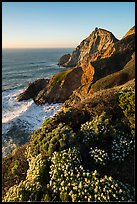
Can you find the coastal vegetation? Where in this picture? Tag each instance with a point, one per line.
(77, 162)
(60, 77)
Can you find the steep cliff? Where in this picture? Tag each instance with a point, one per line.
(60, 86)
(94, 46)
(100, 55)
(115, 67)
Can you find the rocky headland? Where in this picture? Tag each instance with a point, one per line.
(98, 56)
(86, 152)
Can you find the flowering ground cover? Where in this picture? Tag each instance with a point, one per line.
(72, 158)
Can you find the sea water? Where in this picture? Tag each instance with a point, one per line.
(19, 68)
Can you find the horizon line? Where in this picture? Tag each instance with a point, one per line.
(35, 47)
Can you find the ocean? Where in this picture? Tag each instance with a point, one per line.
(19, 68)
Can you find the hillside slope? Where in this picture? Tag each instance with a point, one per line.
(117, 78)
(86, 150)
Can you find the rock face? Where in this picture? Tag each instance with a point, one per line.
(60, 86)
(64, 59)
(108, 72)
(130, 32)
(33, 89)
(116, 66)
(115, 57)
(98, 56)
(94, 46)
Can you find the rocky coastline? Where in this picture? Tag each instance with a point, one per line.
(98, 56)
(86, 152)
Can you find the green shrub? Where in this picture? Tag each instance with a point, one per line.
(15, 167)
(25, 191)
(96, 131)
(70, 182)
(33, 188)
(122, 146)
(105, 140)
(127, 103)
(58, 139)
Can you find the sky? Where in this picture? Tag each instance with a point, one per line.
(62, 24)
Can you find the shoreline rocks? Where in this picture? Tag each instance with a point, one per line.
(64, 59)
(33, 89)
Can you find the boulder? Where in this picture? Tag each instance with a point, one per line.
(33, 89)
(64, 59)
(61, 86)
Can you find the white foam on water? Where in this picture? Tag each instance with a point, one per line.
(16, 112)
(27, 113)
